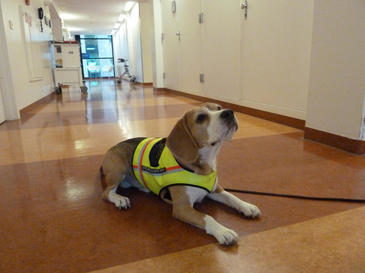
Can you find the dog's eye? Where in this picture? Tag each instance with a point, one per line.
(201, 117)
(219, 108)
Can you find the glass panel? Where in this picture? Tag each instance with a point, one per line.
(96, 49)
(105, 49)
(107, 68)
(97, 56)
(83, 46)
(97, 68)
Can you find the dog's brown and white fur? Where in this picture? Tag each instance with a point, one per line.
(195, 142)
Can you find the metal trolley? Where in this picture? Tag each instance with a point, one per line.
(66, 65)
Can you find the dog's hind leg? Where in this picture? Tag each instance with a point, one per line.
(114, 171)
(113, 179)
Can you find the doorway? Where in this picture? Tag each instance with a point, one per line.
(97, 57)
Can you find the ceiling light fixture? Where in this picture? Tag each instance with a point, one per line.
(74, 29)
(69, 16)
(116, 26)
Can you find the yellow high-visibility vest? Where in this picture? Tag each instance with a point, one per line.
(168, 172)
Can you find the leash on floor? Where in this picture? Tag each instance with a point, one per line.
(334, 199)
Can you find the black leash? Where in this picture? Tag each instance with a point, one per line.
(334, 199)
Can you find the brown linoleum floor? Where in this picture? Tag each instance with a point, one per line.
(52, 215)
(313, 246)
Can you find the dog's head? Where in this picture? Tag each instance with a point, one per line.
(205, 126)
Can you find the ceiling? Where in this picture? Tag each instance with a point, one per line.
(89, 16)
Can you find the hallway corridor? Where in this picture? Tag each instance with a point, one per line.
(54, 220)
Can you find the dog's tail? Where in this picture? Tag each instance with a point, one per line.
(102, 178)
(101, 171)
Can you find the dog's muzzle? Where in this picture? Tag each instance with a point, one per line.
(229, 119)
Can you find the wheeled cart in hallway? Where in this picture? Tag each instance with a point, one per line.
(66, 65)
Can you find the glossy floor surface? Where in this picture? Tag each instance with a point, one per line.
(52, 215)
(324, 245)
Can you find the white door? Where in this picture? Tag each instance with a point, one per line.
(170, 46)
(187, 12)
(276, 41)
(221, 49)
(2, 113)
(182, 45)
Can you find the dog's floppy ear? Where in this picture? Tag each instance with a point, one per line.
(182, 143)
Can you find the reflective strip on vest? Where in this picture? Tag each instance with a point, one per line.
(168, 173)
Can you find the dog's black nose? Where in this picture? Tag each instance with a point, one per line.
(227, 114)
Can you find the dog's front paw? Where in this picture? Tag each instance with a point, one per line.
(226, 237)
(121, 202)
(249, 210)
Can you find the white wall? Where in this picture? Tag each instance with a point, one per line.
(29, 66)
(362, 126)
(157, 53)
(56, 23)
(146, 17)
(6, 84)
(275, 56)
(120, 46)
(182, 53)
(260, 62)
(2, 111)
(337, 72)
(134, 43)
(221, 49)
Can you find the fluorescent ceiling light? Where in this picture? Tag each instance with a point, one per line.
(74, 29)
(69, 16)
(128, 6)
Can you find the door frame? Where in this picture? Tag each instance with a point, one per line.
(7, 89)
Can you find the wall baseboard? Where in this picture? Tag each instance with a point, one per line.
(289, 121)
(344, 143)
(150, 84)
(37, 103)
(159, 89)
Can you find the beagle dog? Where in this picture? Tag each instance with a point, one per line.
(181, 168)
